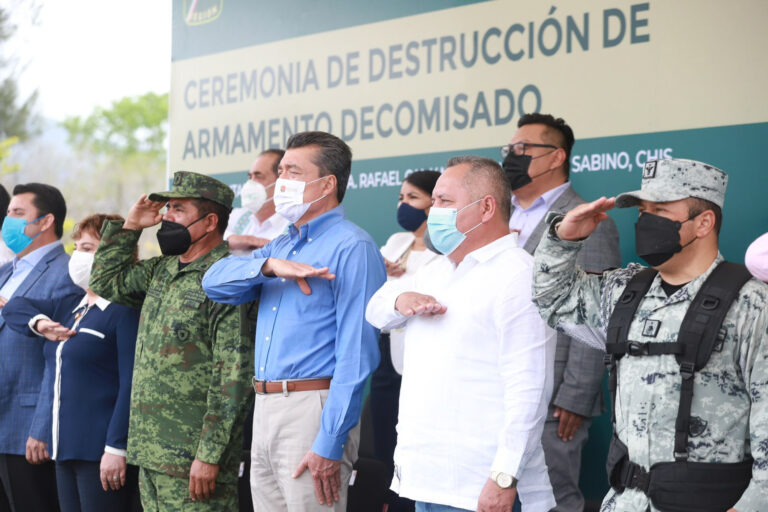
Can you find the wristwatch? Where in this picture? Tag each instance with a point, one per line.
(503, 480)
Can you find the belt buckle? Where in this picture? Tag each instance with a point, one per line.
(635, 348)
(256, 382)
(285, 388)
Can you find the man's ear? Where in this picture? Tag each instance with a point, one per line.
(211, 222)
(488, 204)
(48, 221)
(706, 223)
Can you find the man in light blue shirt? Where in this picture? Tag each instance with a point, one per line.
(314, 349)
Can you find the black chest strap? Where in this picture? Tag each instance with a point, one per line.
(699, 333)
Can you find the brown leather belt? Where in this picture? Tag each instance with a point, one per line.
(264, 387)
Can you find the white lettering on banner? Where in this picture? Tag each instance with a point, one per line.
(617, 160)
(379, 179)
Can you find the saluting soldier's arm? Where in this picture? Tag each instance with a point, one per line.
(115, 275)
(567, 297)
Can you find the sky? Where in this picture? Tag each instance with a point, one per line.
(80, 54)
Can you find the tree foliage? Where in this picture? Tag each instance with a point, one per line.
(130, 127)
(121, 149)
(15, 113)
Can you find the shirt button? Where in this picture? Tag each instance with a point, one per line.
(282, 279)
(274, 308)
(294, 252)
(262, 368)
(267, 338)
(310, 240)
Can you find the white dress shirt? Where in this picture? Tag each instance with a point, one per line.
(526, 219)
(476, 380)
(243, 222)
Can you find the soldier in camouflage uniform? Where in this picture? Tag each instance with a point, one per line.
(193, 363)
(729, 414)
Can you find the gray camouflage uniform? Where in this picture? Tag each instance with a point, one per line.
(729, 415)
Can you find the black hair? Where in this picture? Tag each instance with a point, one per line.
(423, 180)
(279, 153)
(335, 157)
(5, 200)
(47, 200)
(564, 133)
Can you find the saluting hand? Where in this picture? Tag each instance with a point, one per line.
(295, 271)
(580, 222)
(53, 331)
(144, 213)
(412, 303)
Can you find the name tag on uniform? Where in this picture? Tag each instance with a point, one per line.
(651, 328)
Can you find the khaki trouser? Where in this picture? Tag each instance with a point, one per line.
(284, 428)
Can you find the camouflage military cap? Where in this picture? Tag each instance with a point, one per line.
(196, 186)
(674, 179)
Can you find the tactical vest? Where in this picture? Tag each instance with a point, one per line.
(678, 486)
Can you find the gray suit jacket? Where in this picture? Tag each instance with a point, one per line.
(579, 368)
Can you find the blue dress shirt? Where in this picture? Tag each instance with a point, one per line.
(324, 334)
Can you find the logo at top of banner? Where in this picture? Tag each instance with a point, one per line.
(199, 12)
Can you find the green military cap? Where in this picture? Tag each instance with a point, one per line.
(674, 179)
(196, 186)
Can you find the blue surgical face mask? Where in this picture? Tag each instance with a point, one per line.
(410, 218)
(443, 233)
(13, 233)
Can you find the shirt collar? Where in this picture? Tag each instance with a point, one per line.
(101, 303)
(318, 225)
(490, 250)
(547, 198)
(34, 257)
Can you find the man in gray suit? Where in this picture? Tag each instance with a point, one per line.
(537, 163)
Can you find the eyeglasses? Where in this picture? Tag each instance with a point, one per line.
(521, 148)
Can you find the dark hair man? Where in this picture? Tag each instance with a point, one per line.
(686, 342)
(536, 164)
(314, 349)
(31, 229)
(192, 361)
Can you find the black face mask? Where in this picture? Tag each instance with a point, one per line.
(174, 238)
(657, 238)
(516, 169)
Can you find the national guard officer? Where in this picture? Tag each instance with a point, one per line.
(193, 362)
(685, 342)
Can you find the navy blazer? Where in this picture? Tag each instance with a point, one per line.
(87, 383)
(21, 355)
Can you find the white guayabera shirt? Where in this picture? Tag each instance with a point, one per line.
(476, 380)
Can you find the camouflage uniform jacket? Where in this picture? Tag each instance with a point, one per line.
(730, 402)
(193, 364)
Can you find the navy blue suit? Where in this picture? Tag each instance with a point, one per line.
(22, 362)
(26, 486)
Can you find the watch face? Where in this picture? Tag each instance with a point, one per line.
(503, 480)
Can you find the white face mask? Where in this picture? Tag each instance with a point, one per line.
(289, 198)
(253, 195)
(80, 268)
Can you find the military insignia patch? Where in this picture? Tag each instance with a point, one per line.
(651, 328)
(649, 170)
